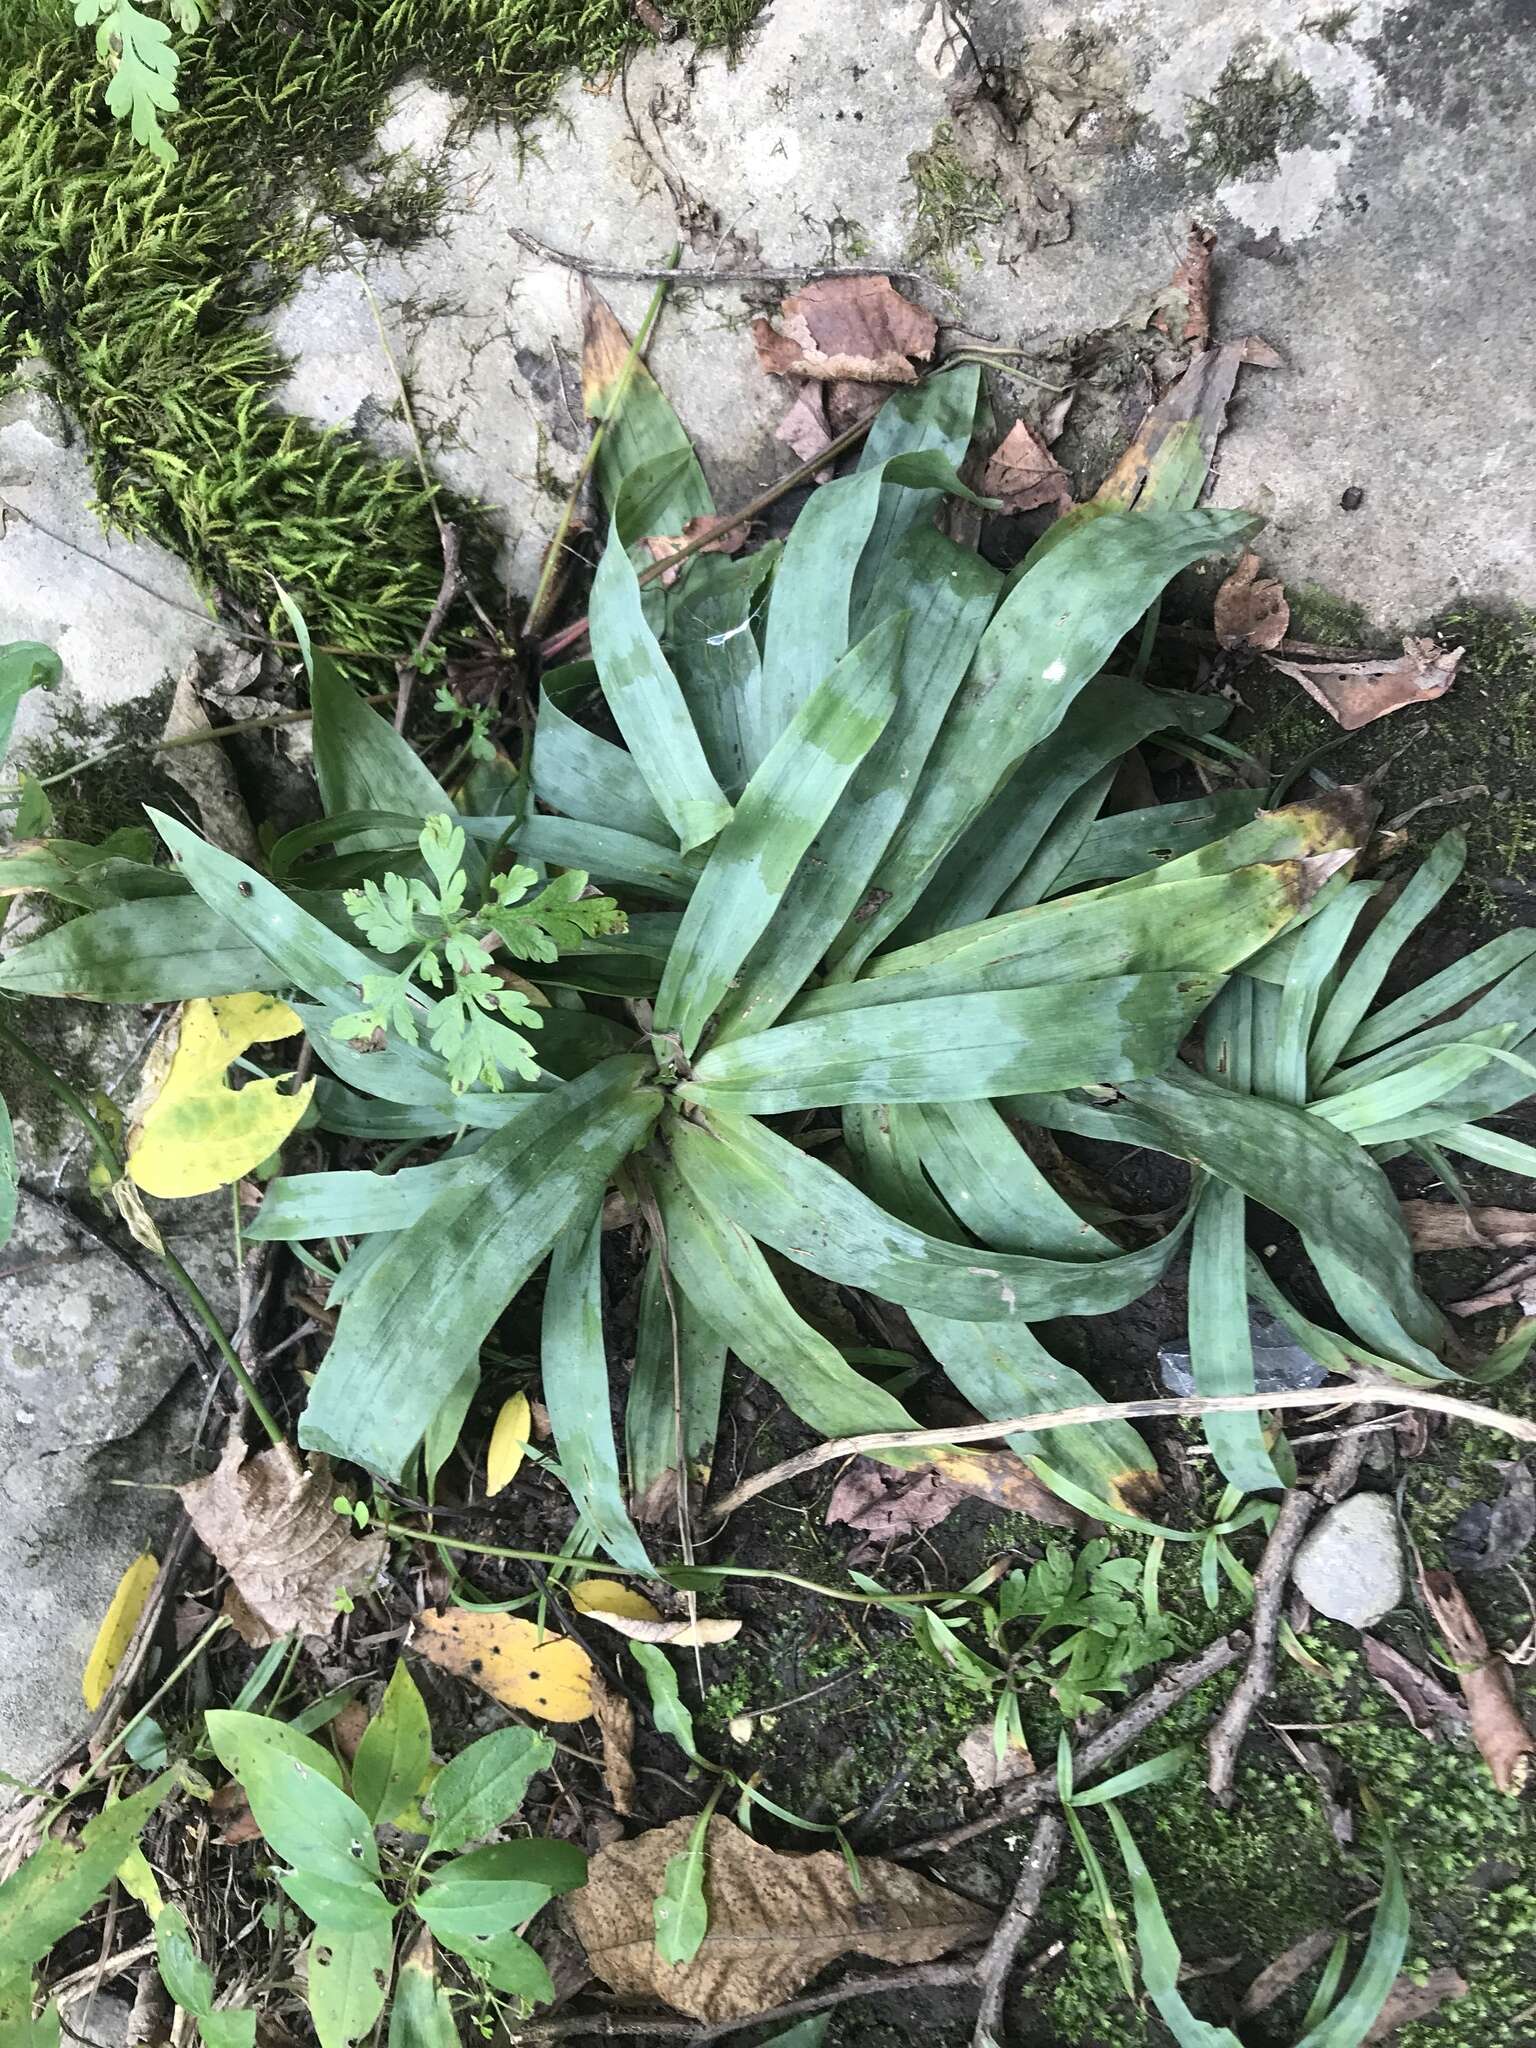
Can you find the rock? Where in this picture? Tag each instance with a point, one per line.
(1278, 1360)
(1350, 1567)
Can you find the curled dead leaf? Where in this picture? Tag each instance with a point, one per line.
(1251, 610)
(523, 1666)
(1409, 2001)
(1024, 473)
(1355, 693)
(775, 1920)
(988, 1771)
(1272, 1982)
(616, 1727)
(629, 1613)
(1503, 1741)
(1171, 453)
(663, 546)
(804, 427)
(886, 1502)
(270, 1523)
(859, 328)
(1190, 321)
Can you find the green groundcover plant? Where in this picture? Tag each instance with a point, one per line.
(866, 928)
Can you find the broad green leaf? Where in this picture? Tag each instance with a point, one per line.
(505, 1961)
(1159, 1953)
(24, 665)
(304, 1817)
(348, 1982)
(1316, 950)
(1110, 717)
(339, 1908)
(228, 2028)
(746, 1175)
(300, 1205)
(417, 1320)
(92, 877)
(485, 1784)
(674, 1393)
(783, 807)
(237, 1726)
(667, 1708)
(1315, 1177)
(681, 1911)
(395, 1749)
(639, 425)
(499, 1887)
(1132, 842)
(18, 2029)
(443, 1430)
(60, 1881)
(363, 764)
(957, 1049)
(993, 1186)
(729, 1282)
(166, 950)
(1206, 925)
(1361, 981)
(947, 592)
(647, 705)
(938, 416)
(183, 1972)
(8, 1174)
(576, 1391)
(421, 2013)
(1052, 634)
(591, 779)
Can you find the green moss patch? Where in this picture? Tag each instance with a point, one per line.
(1255, 109)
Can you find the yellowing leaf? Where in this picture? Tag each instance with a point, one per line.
(138, 1880)
(538, 1673)
(118, 1625)
(192, 1131)
(607, 1596)
(509, 1441)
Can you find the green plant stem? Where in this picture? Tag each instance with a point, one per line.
(112, 1165)
(612, 1571)
(543, 595)
(215, 1627)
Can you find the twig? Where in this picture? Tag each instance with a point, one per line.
(992, 1971)
(1301, 1503)
(1124, 1411)
(408, 671)
(1174, 1684)
(69, 1990)
(570, 636)
(699, 274)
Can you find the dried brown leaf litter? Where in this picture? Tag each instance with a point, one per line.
(1504, 1742)
(1188, 318)
(774, 1920)
(886, 1502)
(270, 1523)
(1251, 610)
(1025, 475)
(1355, 693)
(860, 328)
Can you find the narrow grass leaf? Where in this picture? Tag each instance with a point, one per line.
(1160, 1957)
(1356, 2012)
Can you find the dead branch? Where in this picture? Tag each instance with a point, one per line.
(408, 671)
(997, 1960)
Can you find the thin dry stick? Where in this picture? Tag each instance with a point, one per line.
(1300, 1504)
(698, 274)
(1039, 1866)
(1124, 1411)
(408, 671)
(1176, 1683)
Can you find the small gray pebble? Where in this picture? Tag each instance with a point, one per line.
(1351, 1565)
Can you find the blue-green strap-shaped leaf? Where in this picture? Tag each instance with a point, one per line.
(418, 1319)
(411, 1076)
(591, 779)
(1220, 1334)
(1315, 1177)
(164, 951)
(1208, 925)
(937, 416)
(673, 1408)
(768, 1187)
(576, 1391)
(995, 1188)
(1053, 633)
(1506, 1007)
(1440, 993)
(777, 816)
(957, 1048)
(1110, 717)
(726, 1276)
(1314, 962)
(647, 705)
(711, 638)
(1132, 842)
(605, 853)
(24, 665)
(302, 1205)
(948, 593)
(362, 763)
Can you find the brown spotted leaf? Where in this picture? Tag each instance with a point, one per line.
(775, 1920)
(1426, 1702)
(860, 328)
(271, 1524)
(1354, 693)
(1024, 473)
(1251, 610)
(616, 1726)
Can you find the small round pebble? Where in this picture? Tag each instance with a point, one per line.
(1351, 1565)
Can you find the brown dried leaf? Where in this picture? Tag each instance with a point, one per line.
(1178, 437)
(616, 1726)
(1251, 610)
(1272, 1983)
(663, 546)
(804, 427)
(860, 328)
(206, 774)
(1446, 1226)
(1002, 1477)
(1504, 1742)
(1024, 473)
(1355, 693)
(1489, 1535)
(1192, 279)
(1408, 2001)
(1422, 1697)
(988, 1771)
(270, 1523)
(232, 1807)
(774, 1920)
(604, 348)
(885, 1502)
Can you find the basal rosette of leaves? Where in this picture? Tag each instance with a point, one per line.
(864, 927)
